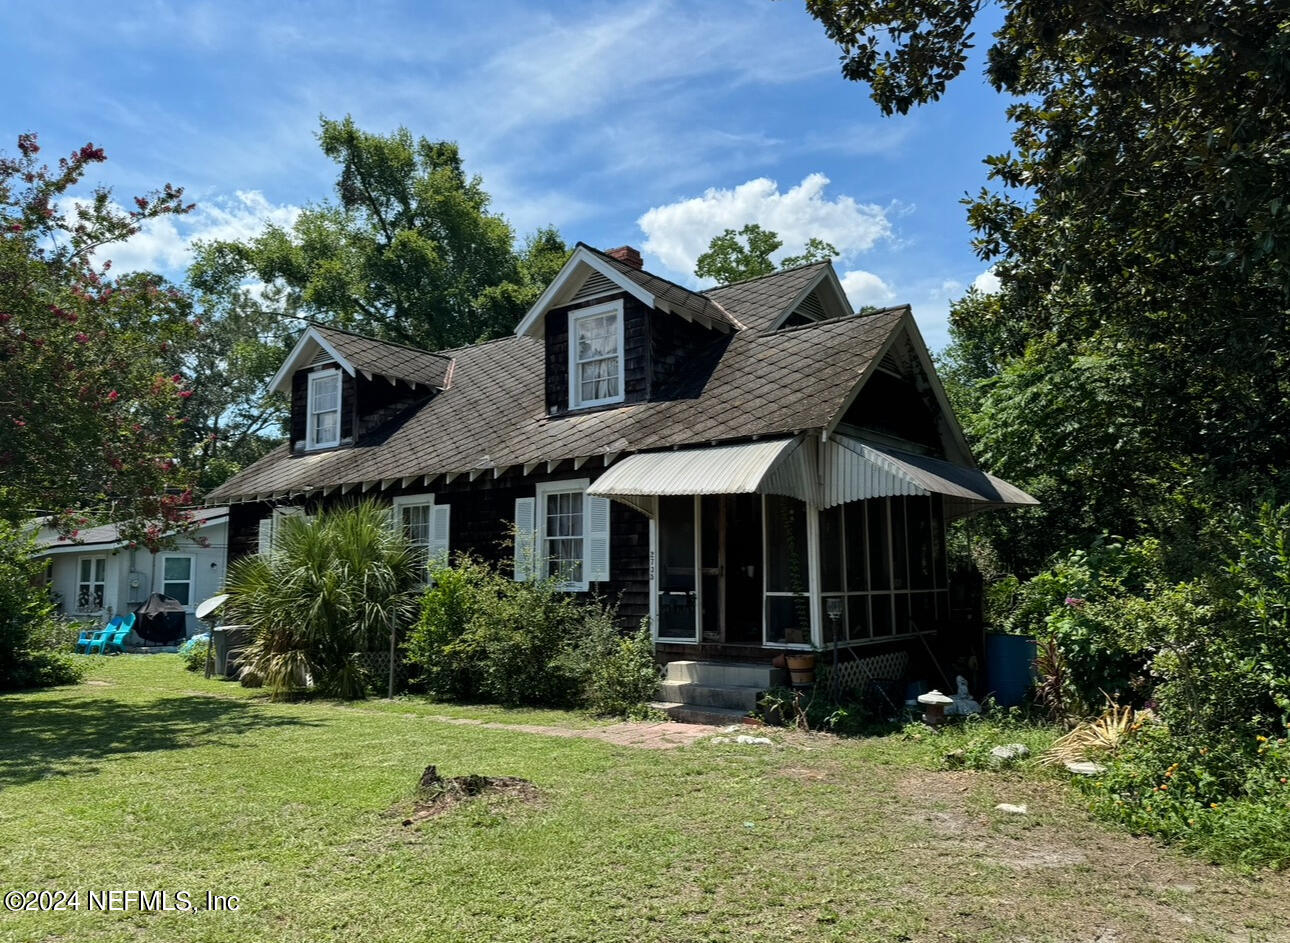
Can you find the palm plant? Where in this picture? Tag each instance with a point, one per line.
(332, 589)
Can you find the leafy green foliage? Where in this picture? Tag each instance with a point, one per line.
(89, 364)
(195, 652)
(332, 589)
(26, 618)
(411, 250)
(735, 256)
(1226, 798)
(484, 635)
(621, 673)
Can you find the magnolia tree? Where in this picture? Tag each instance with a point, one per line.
(91, 397)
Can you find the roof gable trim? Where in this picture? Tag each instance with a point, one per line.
(566, 284)
(835, 299)
(301, 356)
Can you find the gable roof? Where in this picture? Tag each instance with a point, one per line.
(762, 304)
(358, 354)
(492, 416)
(108, 536)
(651, 289)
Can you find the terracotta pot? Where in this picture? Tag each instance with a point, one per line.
(801, 669)
(779, 661)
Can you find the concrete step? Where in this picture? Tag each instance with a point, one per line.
(692, 714)
(726, 673)
(742, 697)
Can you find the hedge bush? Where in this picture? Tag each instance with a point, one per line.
(482, 635)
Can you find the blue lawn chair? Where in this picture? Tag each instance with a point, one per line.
(90, 636)
(113, 640)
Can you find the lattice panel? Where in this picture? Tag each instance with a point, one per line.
(855, 674)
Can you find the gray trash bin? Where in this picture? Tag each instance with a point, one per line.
(228, 642)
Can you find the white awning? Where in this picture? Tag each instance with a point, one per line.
(855, 470)
(719, 469)
(852, 471)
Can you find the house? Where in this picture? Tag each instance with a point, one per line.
(98, 574)
(754, 468)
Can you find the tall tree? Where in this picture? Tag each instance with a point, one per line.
(1140, 229)
(734, 256)
(410, 251)
(91, 394)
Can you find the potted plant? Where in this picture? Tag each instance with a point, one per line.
(801, 668)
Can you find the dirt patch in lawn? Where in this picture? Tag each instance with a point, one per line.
(437, 794)
(1101, 884)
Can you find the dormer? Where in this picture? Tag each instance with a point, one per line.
(822, 299)
(343, 385)
(616, 334)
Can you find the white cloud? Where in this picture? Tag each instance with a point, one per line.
(165, 244)
(987, 282)
(677, 233)
(866, 288)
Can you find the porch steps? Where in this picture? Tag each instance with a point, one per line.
(714, 691)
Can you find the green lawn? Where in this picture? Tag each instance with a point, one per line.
(150, 778)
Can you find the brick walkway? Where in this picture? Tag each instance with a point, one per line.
(663, 735)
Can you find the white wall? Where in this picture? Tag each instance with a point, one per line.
(133, 575)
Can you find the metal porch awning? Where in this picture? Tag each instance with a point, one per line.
(843, 470)
(719, 469)
(855, 470)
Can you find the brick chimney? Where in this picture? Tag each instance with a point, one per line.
(627, 255)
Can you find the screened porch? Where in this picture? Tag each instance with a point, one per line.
(799, 542)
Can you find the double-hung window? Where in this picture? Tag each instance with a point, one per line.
(177, 577)
(425, 526)
(562, 534)
(596, 355)
(323, 413)
(90, 580)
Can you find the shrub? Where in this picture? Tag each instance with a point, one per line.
(194, 652)
(56, 634)
(332, 589)
(484, 635)
(621, 673)
(438, 645)
(26, 613)
(1226, 799)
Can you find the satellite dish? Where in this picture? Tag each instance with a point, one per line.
(207, 607)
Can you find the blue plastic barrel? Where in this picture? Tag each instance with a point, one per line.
(1010, 666)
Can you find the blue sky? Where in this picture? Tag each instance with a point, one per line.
(650, 123)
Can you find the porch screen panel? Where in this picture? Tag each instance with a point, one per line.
(788, 612)
(832, 570)
(676, 569)
(885, 557)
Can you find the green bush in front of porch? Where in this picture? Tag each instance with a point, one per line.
(482, 635)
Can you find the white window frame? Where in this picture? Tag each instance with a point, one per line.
(396, 522)
(575, 385)
(102, 584)
(314, 378)
(542, 491)
(192, 576)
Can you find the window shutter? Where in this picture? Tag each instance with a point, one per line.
(597, 563)
(265, 536)
(525, 512)
(439, 515)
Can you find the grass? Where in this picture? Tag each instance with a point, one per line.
(148, 777)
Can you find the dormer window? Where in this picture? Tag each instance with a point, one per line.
(323, 409)
(596, 355)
